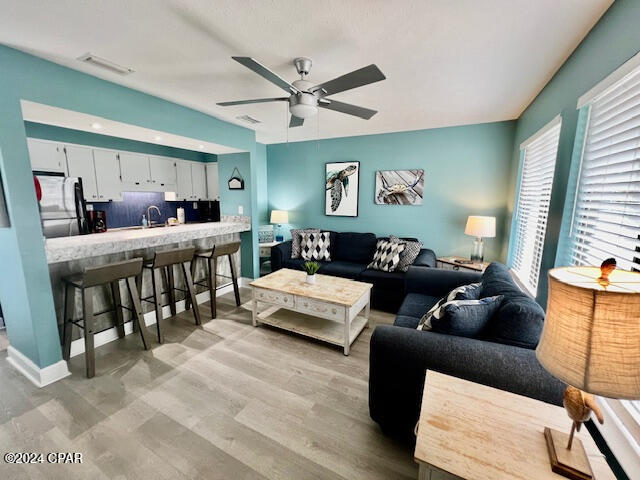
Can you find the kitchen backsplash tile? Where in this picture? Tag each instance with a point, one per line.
(129, 211)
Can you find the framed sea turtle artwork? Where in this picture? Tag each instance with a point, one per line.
(399, 187)
(342, 185)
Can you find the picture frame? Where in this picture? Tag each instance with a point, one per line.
(342, 188)
(399, 187)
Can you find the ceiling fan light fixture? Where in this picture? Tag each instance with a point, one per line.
(303, 111)
(303, 105)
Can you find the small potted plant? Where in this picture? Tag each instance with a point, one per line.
(311, 268)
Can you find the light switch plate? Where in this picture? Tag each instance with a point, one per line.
(89, 207)
(195, 205)
(240, 209)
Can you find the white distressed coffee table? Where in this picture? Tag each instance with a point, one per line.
(329, 311)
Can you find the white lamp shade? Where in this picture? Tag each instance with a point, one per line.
(279, 216)
(591, 334)
(478, 226)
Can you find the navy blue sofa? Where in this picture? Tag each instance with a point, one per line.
(350, 254)
(503, 356)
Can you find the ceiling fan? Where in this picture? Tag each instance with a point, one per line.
(305, 97)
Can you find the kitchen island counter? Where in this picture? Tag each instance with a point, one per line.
(65, 249)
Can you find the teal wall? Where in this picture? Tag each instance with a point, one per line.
(79, 137)
(25, 290)
(466, 173)
(230, 200)
(611, 42)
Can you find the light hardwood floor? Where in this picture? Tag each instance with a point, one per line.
(221, 401)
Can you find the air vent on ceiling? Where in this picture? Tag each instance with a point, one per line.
(104, 63)
(248, 119)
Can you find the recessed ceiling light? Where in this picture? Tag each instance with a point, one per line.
(96, 126)
(158, 138)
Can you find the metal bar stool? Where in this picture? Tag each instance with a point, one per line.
(210, 281)
(86, 281)
(161, 268)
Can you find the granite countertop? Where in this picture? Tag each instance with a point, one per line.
(65, 249)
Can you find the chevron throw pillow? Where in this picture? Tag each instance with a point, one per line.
(411, 252)
(463, 318)
(315, 246)
(387, 256)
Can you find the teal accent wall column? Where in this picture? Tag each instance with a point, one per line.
(563, 254)
(466, 173)
(230, 200)
(25, 288)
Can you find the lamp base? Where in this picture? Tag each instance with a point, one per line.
(571, 463)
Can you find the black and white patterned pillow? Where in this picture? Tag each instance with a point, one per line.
(316, 246)
(411, 252)
(296, 236)
(387, 256)
(464, 318)
(463, 292)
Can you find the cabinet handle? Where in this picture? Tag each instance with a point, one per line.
(137, 183)
(101, 196)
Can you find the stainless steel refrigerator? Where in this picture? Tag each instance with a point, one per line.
(62, 208)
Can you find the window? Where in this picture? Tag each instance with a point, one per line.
(606, 212)
(605, 215)
(534, 194)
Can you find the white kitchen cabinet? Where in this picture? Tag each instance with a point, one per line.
(80, 164)
(134, 168)
(199, 180)
(213, 188)
(184, 184)
(46, 156)
(163, 172)
(107, 175)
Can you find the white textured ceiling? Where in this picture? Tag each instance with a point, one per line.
(447, 62)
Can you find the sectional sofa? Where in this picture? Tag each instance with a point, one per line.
(502, 356)
(350, 254)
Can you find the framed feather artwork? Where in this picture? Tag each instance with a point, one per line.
(399, 187)
(342, 184)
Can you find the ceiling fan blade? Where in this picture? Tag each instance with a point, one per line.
(347, 108)
(357, 78)
(257, 100)
(264, 72)
(295, 121)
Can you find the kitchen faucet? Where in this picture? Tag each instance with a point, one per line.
(149, 214)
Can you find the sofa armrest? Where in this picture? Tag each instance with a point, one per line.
(426, 258)
(280, 253)
(437, 282)
(399, 358)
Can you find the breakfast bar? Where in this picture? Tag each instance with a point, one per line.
(70, 255)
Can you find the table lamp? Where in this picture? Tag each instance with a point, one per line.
(279, 217)
(479, 227)
(590, 341)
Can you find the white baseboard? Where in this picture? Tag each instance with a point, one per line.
(39, 376)
(102, 338)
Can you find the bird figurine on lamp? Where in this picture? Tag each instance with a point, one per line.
(590, 341)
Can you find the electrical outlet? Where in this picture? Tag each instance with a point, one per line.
(240, 210)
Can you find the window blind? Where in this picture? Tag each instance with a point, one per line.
(532, 208)
(606, 217)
